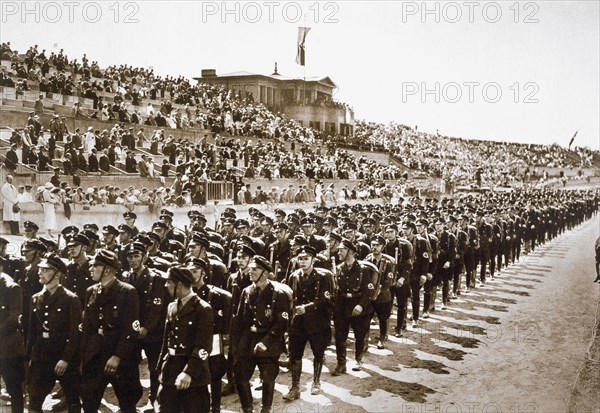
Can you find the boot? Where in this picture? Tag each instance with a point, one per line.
(245, 395)
(317, 367)
(268, 392)
(340, 350)
(294, 393)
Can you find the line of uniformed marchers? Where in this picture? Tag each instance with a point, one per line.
(207, 303)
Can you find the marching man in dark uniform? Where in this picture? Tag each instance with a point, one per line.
(383, 296)
(279, 250)
(352, 305)
(220, 302)
(236, 283)
(130, 218)
(11, 341)
(420, 268)
(258, 329)
(311, 322)
(485, 243)
(77, 278)
(29, 280)
(152, 295)
(53, 338)
(109, 238)
(187, 344)
(109, 337)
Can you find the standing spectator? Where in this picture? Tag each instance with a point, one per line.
(93, 161)
(38, 105)
(143, 167)
(104, 162)
(49, 201)
(130, 164)
(9, 198)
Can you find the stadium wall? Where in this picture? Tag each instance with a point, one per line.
(113, 214)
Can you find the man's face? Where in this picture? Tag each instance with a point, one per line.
(280, 234)
(243, 260)
(368, 228)
(420, 229)
(160, 232)
(266, 228)
(46, 275)
(130, 222)
(135, 260)
(30, 233)
(74, 250)
(198, 274)
(255, 272)
(390, 234)
(343, 253)
(241, 231)
(123, 237)
(350, 234)
(171, 287)
(376, 248)
(97, 270)
(29, 255)
(108, 238)
(194, 249)
(307, 229)
(332, 243)
(305, 261)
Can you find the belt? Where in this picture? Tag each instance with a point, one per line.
(255, 329)
(351, 295)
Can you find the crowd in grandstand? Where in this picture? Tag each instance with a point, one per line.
(139, 99)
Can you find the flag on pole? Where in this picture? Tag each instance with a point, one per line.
(572, 139)
(302, 32)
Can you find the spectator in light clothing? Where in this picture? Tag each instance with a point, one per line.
(49, 200)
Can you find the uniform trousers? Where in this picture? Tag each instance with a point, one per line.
(152, 350)
(41, 379)
(191, 400)
(218, 368)
(318, 343)
(383, 311)
(12, 369)
(125, 382)
(342, 324)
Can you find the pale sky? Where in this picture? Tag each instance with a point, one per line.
(542, 57)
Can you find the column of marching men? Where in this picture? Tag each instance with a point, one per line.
(205, 304)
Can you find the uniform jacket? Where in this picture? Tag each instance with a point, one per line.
(54, 327)
(355, 287)
(387, 270)
(447, 249)
(315, 292)
(262, 316)
(485, 236)
(462, 243)
(116, 332)
(187, 342)
(422, 252)
(11, 307)
(152, 296)
(78, 279)
(220, 303)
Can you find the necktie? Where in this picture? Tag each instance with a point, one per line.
(179, 304)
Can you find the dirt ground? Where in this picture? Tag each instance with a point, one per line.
(516, 345)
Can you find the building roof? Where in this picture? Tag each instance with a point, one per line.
(318, 79)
